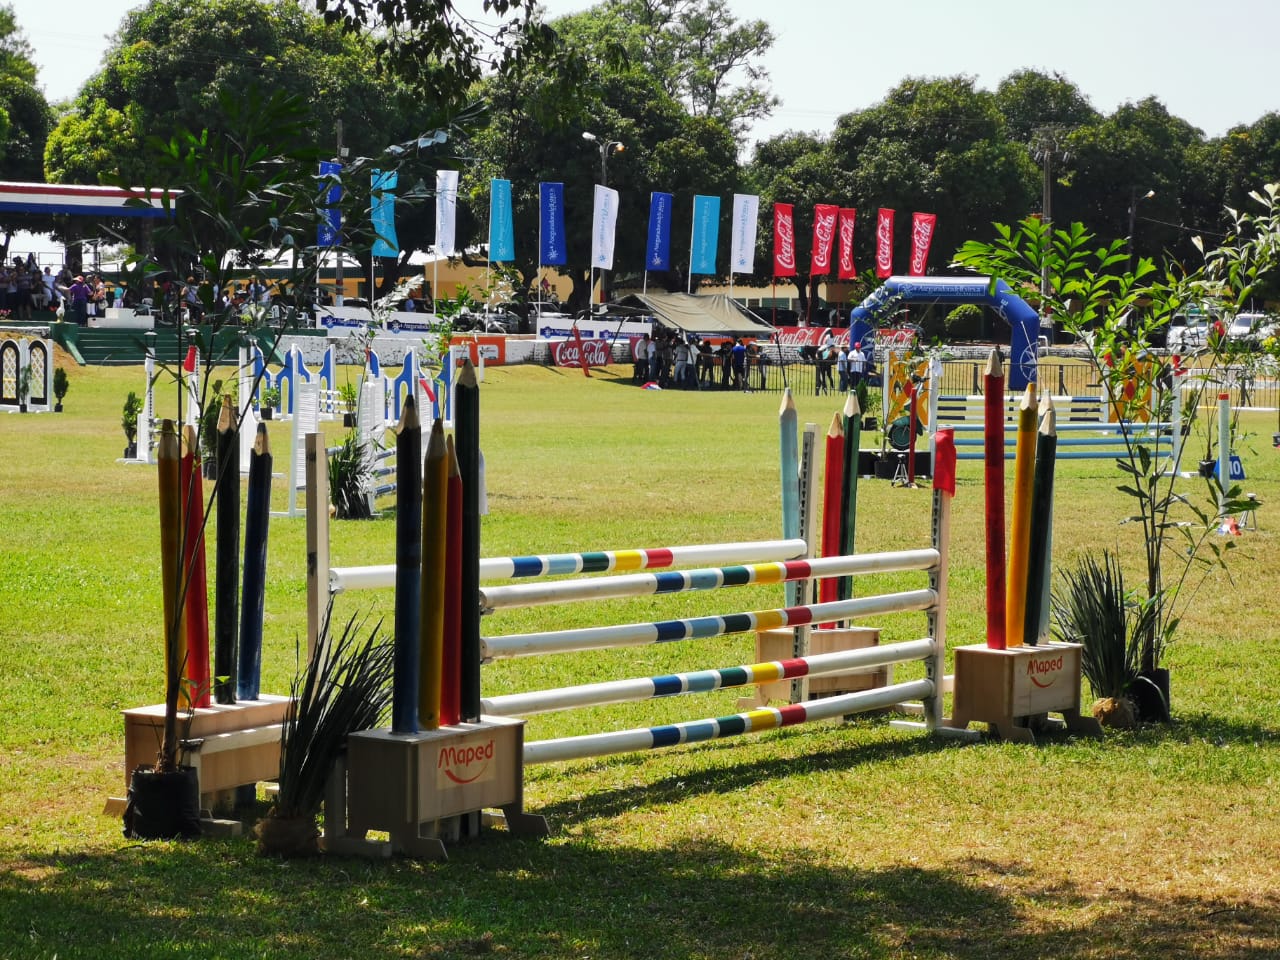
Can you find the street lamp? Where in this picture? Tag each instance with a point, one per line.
(1134, 200)
(606, 147)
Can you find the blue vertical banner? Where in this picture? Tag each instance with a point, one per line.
(502, 239)
(706, 234)
(383, 213)
(657, 252)
(329, 232)
(551, 252)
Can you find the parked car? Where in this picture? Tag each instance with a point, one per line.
(1189, 331)
(1252, 327)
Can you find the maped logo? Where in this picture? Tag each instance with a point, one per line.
(1044, 671)
(466, 764)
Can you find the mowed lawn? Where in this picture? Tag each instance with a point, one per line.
(827, 840)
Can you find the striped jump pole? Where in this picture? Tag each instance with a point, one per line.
(665, 631)
(864, 659)
(708, 578)
(753, 721)
(600, 561)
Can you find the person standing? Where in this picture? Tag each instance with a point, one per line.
(857, 365)
(50, 289)
(842, 368)
(78, 300)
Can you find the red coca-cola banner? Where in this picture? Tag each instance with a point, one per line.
(845, 270)
(824, 234)
(884, 243)
(922, 225)
(810, 336)
(784, 240)
(568, 353)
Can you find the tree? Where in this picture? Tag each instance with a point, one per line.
(936, 146)
(800, 169)
(701, 55)
(1031, 101)
(25, 118)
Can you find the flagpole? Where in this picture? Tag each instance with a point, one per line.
(692, 233)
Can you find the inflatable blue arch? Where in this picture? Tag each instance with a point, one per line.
(1008, 305)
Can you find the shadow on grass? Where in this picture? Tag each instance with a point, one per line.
(577, 898)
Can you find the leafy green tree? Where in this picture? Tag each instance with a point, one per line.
(936, 146)
(1031, 101)
(699, 52)
(25, 117)
(800, 169)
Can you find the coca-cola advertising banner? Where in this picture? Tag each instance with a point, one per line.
(922, 225)
(784, 240)
(884, 243)
(571, 353)
(845, 269)
(824, 234)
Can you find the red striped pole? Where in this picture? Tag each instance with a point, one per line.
(193, 572)
(993, 481)
(832, 488)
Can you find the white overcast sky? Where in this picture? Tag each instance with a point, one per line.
(1210, 63)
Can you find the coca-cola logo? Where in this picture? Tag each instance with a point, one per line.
(884, 242)
(846, 245)
(786, 241)
(570, 353)
(824, 231)
(921, 238)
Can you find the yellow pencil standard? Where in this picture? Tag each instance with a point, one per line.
(1024, 468)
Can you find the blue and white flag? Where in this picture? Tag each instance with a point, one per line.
(383, 213)
(502, 238)
(604, 224)
(551, 252)
(446, 212)
(706, 234)
(329, 232)
(657, 252)
(742, 255)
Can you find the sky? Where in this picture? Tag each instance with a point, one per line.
(1210, 63)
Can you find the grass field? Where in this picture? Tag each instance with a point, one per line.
(830, 840)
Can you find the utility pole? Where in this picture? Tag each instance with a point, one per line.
(338, 298)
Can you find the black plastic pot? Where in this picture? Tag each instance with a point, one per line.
(131, 451)
(209, 469)
(1206, 468)
(348, 419)
(57, 407)
(870, 423)
(163, 806)
(1150, 695)
(267, 412)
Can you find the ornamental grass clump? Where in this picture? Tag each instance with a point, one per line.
(344, 687)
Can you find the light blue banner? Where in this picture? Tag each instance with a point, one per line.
(706, 234)
(502, 240)
(551, 251)
(658, 250)
(383, 211)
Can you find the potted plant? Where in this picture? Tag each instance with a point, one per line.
(350, 479)
(1095, 610)
(24, 387)
(344, 687)
(129, 423)
(209, 431)
(61, 384)
(349, 397)
(269, 401)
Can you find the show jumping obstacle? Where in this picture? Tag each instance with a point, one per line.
(383, 765)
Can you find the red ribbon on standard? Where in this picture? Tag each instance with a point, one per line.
(944, 461)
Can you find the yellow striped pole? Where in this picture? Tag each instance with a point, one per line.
(1020, 536)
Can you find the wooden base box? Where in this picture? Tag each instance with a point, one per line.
(406, 784)
(778, 645)
(1009, 689)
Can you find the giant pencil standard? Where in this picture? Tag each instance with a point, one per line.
(450, 683)
(435, 512)
(1038, 560)
(404, 684)
(256, 520)
(849, 487)
(788, 444)
(467, 437)
(993, 481)
(1020, 537)
(226, 583)
(168, 457)
(832, 484)
(194, 577)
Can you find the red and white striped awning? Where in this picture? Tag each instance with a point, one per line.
(74, 199)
